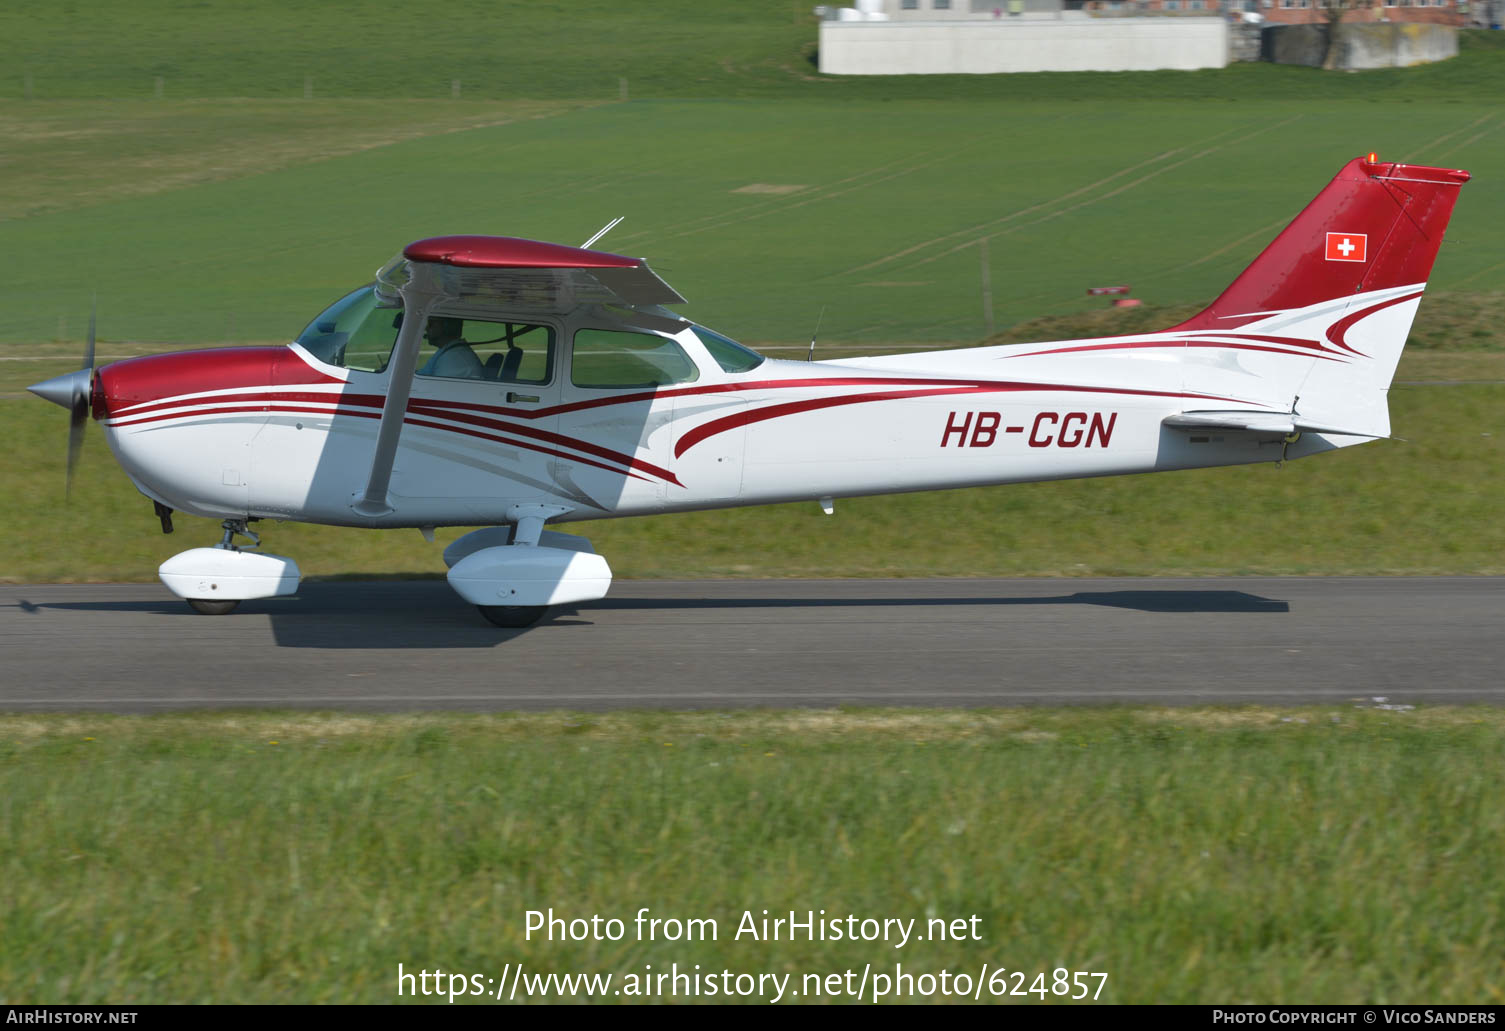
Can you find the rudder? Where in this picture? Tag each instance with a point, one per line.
(1344, 279)
(1376, 225)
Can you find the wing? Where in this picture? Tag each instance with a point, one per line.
(488, 271)
(527, 275)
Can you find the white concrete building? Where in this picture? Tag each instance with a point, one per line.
(882, 37)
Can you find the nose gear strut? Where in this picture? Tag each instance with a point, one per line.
(238, 528)
(215, 580)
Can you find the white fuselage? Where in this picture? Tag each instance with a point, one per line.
(298, 445)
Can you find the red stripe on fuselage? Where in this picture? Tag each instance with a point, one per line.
(344, 405)
(263, 400)
(631, 462)
(133, 420)
(1312, 349)
(526, 446)
(432, 404)
(294, 410)
(1338, 331)
(459, 411)
(746, 418)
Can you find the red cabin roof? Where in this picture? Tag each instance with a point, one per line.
(510, 252)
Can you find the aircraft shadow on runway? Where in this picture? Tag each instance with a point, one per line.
(426, 615)
(1143, 601)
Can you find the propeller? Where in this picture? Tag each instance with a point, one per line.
(71, 391)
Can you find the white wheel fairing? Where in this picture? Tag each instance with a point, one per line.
(530, 575)
(219, 574)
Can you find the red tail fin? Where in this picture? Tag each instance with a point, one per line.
(1376, 225)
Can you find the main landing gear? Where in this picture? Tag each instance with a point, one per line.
(215, 580)
(514, 573)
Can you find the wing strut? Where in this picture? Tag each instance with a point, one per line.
(419, 296)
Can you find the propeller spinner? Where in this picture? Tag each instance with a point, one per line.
(71, 391)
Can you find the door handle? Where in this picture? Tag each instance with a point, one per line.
(513, 398)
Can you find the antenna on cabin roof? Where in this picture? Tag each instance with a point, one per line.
(818, 321)
(608, 227)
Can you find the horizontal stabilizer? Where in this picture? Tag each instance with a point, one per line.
(1270, 423)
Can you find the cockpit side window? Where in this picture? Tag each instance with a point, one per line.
(504, 352)
(355, 332)
(359, 332)
(617, 358)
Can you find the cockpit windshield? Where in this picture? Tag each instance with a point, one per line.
(730, 355)
(356, 332)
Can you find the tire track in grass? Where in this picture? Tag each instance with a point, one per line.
(1475, 138)
(1034, 207)
(1106, 196)
(801, 200)
(805, 198)
(1210, 255)
(614, 178)
(1284, 220)
(1475, 275)
(1055, 301)
(1439, 141)
(760, 205)
(242, 148)
(769, 205)
(1047, 203)
(1011, 216)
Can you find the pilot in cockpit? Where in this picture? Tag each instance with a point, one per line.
(453, 356)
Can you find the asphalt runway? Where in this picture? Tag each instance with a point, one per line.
(408, 645)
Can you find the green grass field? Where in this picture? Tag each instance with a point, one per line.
(197, 237)
(207, 219)
(1195, 856)
(501, 49)
(1307, 855)
(232, 209)
(1425, 505)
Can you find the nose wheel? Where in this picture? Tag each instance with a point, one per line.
(513, 617)
(211, 607)
(213, 581)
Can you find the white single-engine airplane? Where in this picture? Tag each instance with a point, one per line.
(507, 383)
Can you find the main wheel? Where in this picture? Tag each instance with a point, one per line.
(211, 607)
(513, 616)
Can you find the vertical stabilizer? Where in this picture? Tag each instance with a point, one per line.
(1341, 282)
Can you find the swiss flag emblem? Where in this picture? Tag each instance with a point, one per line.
(1347, 246)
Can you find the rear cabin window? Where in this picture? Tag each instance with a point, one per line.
(616, 358)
